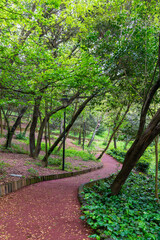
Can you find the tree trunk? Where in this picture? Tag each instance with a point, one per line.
(84, 134)
(6, 120)
(61, 145)
(157, 159)
(33, 126)
(26, 128)
(20, 127)
(82, 106)
(61, 126)
(79, 138)
(45, 163)
(136, 151)
(49, 135)
(95, 131)
(1, 122)
(126, 143)
(12, 130)
(114, 131)
(46, 118)
(108, 134)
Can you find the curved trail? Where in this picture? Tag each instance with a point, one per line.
(49, 210)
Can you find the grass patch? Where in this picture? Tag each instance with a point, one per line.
(14, 149)
(2, 167)
(72, 152)
(133, 214)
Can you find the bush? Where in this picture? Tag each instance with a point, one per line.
(21, 136)
(143, 163)
(2, 167)
(55, 161)
(33, 172)
(119, 155)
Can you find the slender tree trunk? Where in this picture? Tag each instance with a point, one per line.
(61, 145)
(126, 143)
(1, 122)
(108, 134)
(59, 148)
(45, 163)
(95, 131)
(114, 132)
(157, 159)
(79, 138)
(78, 112)
(46, 118)
(84, 134)
(6, 120)
(61, 126)
(26, 128)
(15, 125)
(33, 126)
(115, 142)
(40, 117)
(49, 135)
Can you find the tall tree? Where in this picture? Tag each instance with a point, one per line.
(144, 135)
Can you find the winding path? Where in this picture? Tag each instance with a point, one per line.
(49, 210)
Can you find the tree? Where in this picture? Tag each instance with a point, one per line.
(74, 117)
(144, 136)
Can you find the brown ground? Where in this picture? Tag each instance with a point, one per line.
(20, 163)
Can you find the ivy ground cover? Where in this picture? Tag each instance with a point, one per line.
(133, 214)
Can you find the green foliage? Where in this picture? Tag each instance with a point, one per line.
(133, 214)
(2, 167)
(142, 165)
(33, 172)
(85, 156)
(21, 136)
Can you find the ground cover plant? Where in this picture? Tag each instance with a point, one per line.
(144, 162)
(133, 214)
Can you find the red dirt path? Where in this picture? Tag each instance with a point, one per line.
(49, 210)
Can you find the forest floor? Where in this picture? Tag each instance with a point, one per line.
(12, 163)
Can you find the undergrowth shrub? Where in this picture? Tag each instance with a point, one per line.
(72, 152)
(143, 163)
(118, 154)
(133, 214)
(33, 172)
(2, 166)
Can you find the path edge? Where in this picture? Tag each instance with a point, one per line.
(17, 185)
(81, 194)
